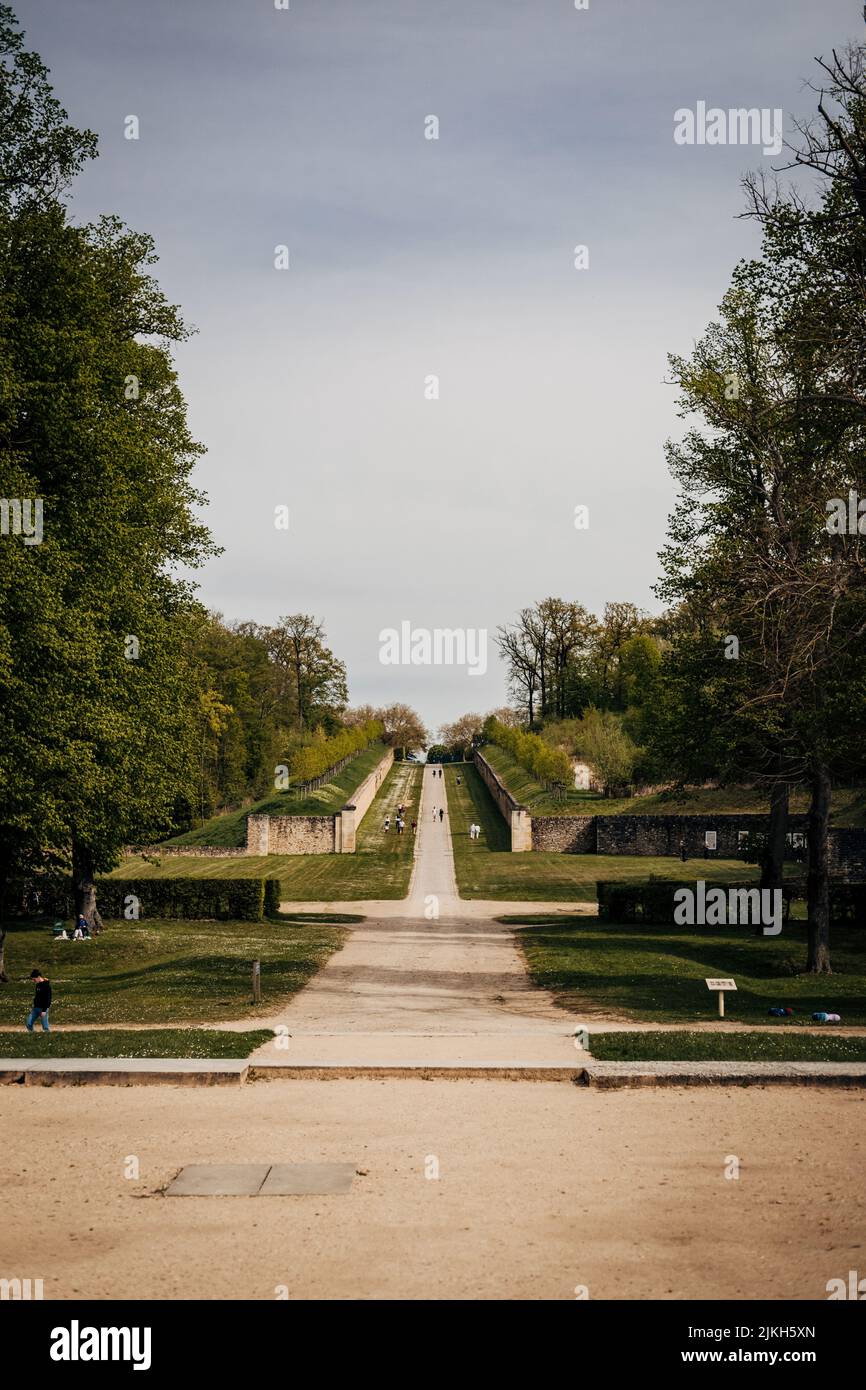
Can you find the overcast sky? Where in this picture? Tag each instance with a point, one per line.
(411, 257)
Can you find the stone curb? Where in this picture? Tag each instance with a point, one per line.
(143, 1071)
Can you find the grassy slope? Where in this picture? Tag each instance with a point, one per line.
(380, 868)
(155, 1042)
(230, 829)
(657, 974)
(849, 806)
(726, 1047)
(486, 868)
(163, 972)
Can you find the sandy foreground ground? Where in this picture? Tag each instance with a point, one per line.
(465, 1189)
(542, 1187)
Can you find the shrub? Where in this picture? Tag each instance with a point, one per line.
(272, 897)
(315, 759)
(653, 902)
(550, 766)
(193, 899)
(848, 903)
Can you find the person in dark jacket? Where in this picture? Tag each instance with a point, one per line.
(41, 1001)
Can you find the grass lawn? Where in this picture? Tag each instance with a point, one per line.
(155, 1042)
(163, 972)
(657, 974)
(848, 808)
(380, 868)
(726, 1047)
(486, 868)
(230, 829)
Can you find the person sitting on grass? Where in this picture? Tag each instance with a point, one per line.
(41, 1001)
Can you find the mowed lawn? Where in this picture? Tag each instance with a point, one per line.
(658, 974)
(131, 1042)
(163, 972)
(380, 868)
(486, 868)
(726, 1047)
(230, 829)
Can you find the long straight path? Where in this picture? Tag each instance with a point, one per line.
(429, 983)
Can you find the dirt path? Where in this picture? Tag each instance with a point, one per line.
(428, 981)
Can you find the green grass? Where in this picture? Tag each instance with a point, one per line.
(725, 1047)
(380, 868)
(230, 829)
(336, 917)
(486, 868)
(848, 808)
(163, 972)
(657, 974)
(155, 1042)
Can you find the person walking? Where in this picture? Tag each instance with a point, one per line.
(434, 815)
(441, 815)
(41, 1002)
(414, 826)
(683, 850)
(387, 826)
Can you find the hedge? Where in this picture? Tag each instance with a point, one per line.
(848, 903)
(550, 766)
(653, 901)
(315, 759)
(193, 899)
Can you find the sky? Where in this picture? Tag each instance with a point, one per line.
(411, 258)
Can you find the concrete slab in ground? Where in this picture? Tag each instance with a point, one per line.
(219, 1180)
(308, 1179)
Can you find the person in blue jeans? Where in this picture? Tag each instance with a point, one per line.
(41, 1001)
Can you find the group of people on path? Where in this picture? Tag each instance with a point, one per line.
(399, 821)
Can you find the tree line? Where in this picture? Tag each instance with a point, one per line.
(127, 711)
(756, 669)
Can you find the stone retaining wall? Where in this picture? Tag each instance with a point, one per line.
(334, 834)
(516, 817)
(290, 834)
(564, 834)
(185, 851)
(661, 835)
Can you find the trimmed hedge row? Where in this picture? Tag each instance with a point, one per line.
(653, 901)
(551, 766)
(315, 759)
(192, 899)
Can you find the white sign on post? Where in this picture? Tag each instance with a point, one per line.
(720, 986)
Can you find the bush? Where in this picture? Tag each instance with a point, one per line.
(192, 899)
(848, 903)
(652, 901)
(315, 759)
(272, 897)
(550, 766)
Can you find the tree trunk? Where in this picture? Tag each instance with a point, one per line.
(772, 867)
(4, 884)
(818, 882)
(84, 887)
